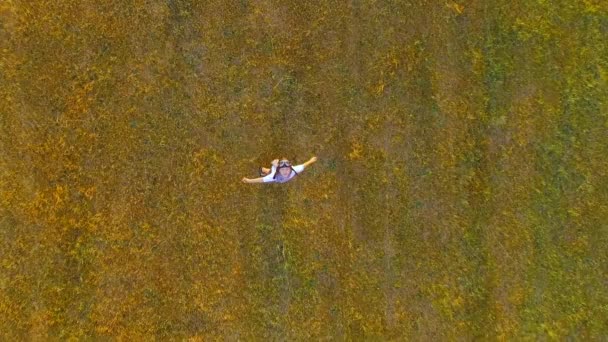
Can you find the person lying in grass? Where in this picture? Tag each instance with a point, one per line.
(280, 172)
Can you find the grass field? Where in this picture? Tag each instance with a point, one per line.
(461, 190)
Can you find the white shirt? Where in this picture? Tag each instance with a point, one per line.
(280, 179)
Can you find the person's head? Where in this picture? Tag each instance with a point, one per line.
(284, 168)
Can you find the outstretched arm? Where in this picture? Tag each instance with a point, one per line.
(252, 180)
(265, 179)
(301, 167)
(310, 161)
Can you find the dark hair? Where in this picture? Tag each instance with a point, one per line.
(284, 166)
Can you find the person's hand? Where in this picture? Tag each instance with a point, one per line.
(313, 159)
(245, 180)
(275, 163)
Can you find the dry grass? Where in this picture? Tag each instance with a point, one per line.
(460, 191)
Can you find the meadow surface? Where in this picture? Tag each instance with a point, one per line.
(461, 190)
